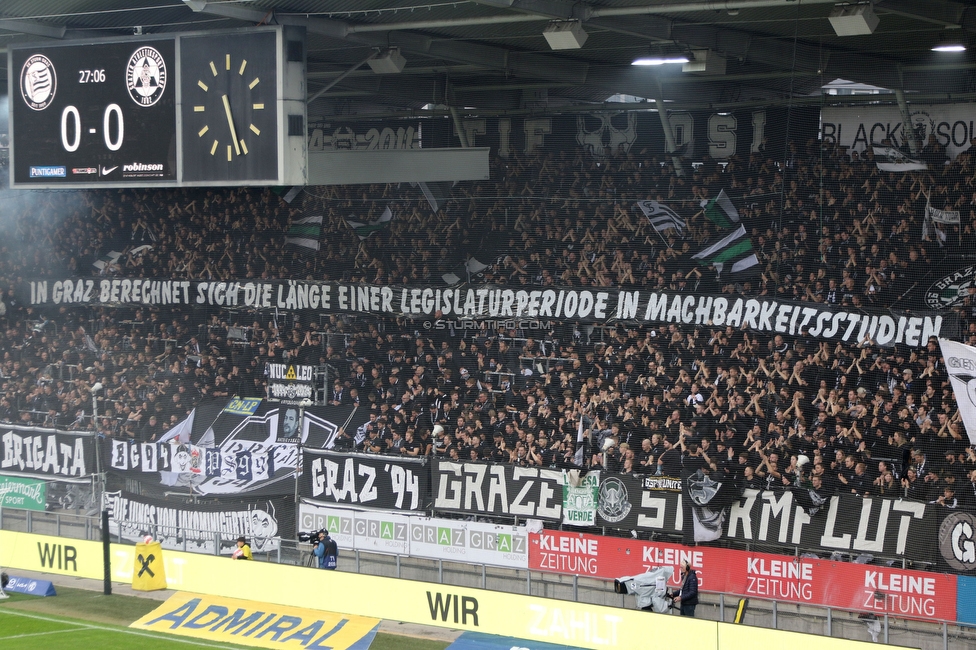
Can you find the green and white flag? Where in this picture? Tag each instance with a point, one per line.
(365, 229)
(720, 211)
(581, 497)
(22, 493)
(305, 233)
(732, 253)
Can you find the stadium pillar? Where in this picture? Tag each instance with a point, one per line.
(107, 553)
(906, 122)
(668, 133)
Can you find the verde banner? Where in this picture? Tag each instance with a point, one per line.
(22, 493)
(581, 495)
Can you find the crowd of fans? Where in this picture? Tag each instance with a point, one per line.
(827, 225)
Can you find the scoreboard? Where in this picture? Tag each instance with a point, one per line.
(216, 108)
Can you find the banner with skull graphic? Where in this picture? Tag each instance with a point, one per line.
(213, 528)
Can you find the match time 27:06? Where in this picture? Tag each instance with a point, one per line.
(91, 76)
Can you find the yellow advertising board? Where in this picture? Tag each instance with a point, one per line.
(244, 622)
(539, 619)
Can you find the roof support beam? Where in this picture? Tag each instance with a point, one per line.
(32, 28)
(534, 65)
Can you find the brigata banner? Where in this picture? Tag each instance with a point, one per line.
(371, 481)
(424, 537)
(46, 453)
(492, 302)
(194, 527)
(22, 493)
(498, 490)
(843, 585)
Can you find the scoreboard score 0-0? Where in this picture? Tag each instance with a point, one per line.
(145, 111)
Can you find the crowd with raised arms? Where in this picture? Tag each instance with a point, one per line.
(827, 227)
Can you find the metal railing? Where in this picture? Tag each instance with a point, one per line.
(930, 634)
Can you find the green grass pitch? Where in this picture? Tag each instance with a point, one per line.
(85, 619)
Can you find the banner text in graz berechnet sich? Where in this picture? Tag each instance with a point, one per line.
(498, 303)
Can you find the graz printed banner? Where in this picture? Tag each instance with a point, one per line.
(423, 537)
(860, 127)
(498, 490)
(22, 493)
(40, 453)
(490, 302)
(383, 482)
(843, 585)
(239, 464)
(193, 527)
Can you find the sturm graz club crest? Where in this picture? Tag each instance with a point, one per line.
(145, 76)
(38, 82)
(951, 289)
(957, 541)
(614, 501)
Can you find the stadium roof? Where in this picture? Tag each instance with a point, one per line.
(490, 56)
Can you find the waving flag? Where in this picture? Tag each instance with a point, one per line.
(890, 159)
(720, 211)
(661, 216)
(733, 252)
(365, 229)
(305, 232)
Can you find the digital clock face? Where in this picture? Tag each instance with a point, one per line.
(98, 113)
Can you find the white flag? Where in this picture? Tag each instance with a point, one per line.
(960, 360)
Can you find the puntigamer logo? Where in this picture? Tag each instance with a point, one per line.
(50, 171)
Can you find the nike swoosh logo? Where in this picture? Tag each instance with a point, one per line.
(106, 172)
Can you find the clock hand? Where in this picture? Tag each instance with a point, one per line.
(230, 123)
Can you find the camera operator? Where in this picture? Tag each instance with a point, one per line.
(688, 596)
(326, 550)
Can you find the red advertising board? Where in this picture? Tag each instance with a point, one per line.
(903, 593)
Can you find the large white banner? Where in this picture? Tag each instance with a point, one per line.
(423, 537)
(960, 360)
(859, 127)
